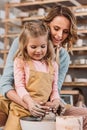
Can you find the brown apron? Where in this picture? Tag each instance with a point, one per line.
(4, 104)
(4, 110)
(39, 87)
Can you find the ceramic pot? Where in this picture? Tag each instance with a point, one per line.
(68, 78)
(28, 123)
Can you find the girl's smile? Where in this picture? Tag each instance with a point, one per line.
(37, 47)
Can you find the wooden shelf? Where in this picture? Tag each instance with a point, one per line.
(22, 19)
(82, 48)
(25, 6)
(4, 51)
(75, 84)
(81, 14)
(82, 30)
(69, 92)
(78, 66)
(34, 3)
(9, 35)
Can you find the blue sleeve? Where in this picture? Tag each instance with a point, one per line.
(63, 67)
(7, 79)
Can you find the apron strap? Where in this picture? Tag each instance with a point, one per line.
(51, 68)
(31, 65)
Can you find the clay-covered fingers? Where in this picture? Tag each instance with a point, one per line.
(38, 111)
(62, 111)
(55, 110)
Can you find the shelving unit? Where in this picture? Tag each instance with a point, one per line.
(10, 33)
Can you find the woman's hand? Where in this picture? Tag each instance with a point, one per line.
(56, 103)
(62, 108)
(56, 106)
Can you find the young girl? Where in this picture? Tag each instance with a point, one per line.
(35, 74)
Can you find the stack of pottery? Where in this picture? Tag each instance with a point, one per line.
(14, 1)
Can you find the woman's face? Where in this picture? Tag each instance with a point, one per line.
(59, 27)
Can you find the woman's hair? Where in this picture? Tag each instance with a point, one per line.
(61, 10)
(34, 28)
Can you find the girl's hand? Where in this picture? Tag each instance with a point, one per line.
(34, 107)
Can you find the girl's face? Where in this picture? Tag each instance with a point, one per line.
(59, 27)
(37, 47)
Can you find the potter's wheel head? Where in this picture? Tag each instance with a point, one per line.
(31, 118)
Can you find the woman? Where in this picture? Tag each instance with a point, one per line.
(63, 33)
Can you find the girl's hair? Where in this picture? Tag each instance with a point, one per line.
(60, 10)
(34, 28)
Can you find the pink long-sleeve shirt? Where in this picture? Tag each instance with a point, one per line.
(21, 76)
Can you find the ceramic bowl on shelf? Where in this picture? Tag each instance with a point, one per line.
(41, 12)
(82, 61)
(2, 30)
(29, 0)
(80, 79)
(1, 45)
(86, 61)
(76, 61)
(2, 14)
(79, 42)
(68, 78)
(14, 1)
(23, 14)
